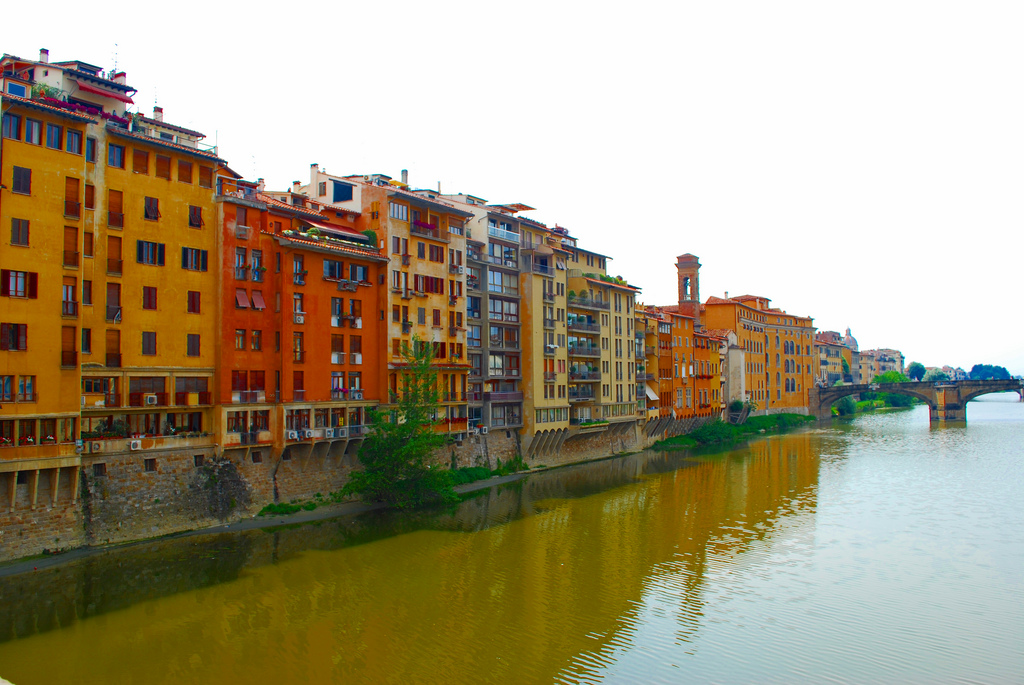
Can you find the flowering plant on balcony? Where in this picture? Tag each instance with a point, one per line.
(5, 442)
(27, 440)
(49, 439)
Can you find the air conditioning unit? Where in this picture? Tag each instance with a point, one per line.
(336, 321)
(291, 435)
(95, 447)
(307, 433)
(356, 394)
(340, 432)
(300, 318)
(483, 430)
(328, 432)
(461, 270)
(79, 449)
(472, 431)
(357, 322)
(135, 444)
(150, 399)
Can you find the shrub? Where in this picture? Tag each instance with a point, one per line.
(736, 405)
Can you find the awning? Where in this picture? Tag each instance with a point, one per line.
(340, 230)
(651, 395)
(105, 93)
(257, 300)
(241, 299)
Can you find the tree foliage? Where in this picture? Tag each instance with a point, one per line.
(935, 375)
(395, 452)
(892, 399)
(845, 406)
(846, 365)
(915, 371)
(982, 372)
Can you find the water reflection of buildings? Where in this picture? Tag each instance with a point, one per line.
(527, 581)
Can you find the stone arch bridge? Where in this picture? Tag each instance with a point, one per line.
(946, 400)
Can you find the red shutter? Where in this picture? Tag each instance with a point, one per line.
(22, 336)
(5, 335)
(33, 284)
(5, 283)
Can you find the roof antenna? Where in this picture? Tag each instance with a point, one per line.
(115, 58)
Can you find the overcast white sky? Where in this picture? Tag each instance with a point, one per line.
(857, 162)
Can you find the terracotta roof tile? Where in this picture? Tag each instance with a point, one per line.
(74, 116)
(163, 143)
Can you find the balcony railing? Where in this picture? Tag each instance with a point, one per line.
(299, 356)
(504, 344)
(113, 360)
(587, 303)
(427, 230)
(30, 396)
(256, 275)
(144, 399)
(503, 396)
(498, 260)
(183, 399)
(542, 269)
(72, 209)
(578, 325)
(68, 358)
(583, 375)
(68, 308)
(250, 396)
(70, 258)
(580, 395)
(115, 219)
(241, 273)
(509, 421)
(503, 373)
(299, 279)
(453, 397)
(113, 314)
(549, 296)
(550, 376)
(114, 266)
(502, 234)
(298, 395)
(585, 350)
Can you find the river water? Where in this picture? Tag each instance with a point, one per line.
(878, 549)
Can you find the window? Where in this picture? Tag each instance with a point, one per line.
(152, 210)
(193, 259)
(87, 243)
(148, 343)
(90, 150)
(87, 292)
(359, 273)
(33, 132)
(13, 336)
(86, 341)
(19, 283)
(163, 167)
(257, 340)
(148, 297)
(205, 177)
(147, 252)
(192, 344)
(193, 302)
(334, 270)
(195, 216)
(239, 338)
(184, 171)
(115, 156)
(140, 162)
(342, 192)
(22, 180)
(19, 232)
(397, 211)
(74, 142)
(12, 127)
(90, 196)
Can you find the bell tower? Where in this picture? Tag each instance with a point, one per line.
(688, 273)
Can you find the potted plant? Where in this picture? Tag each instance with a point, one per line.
(5, 441)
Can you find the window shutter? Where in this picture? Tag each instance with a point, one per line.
(33, 285)
(202, 255)
(184, 258)
(5, 285)
(160, 254)
(5, 335)
(138, 251)
(22, 336)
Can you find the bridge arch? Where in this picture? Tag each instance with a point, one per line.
(967, 397)
(837, 392)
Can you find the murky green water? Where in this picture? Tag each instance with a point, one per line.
(878, 550)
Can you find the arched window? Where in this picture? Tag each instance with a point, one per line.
(776, 359)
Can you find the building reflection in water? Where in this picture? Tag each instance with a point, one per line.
(542, 579)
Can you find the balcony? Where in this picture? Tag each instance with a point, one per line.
(191, 399)
(498, 260)
(69, 309)
(503, 373)
(30, 396)
(184, 440)
(580, 395)
(585, 376)
(299, 356)
(541, 269)
(584, 351)
(474, 255)
(455, 268)
(645, 376)
(504, 344)
(548, 296)
(68, 358)
(247, 396)
(549, 350)
(70, 259)
(113, 314)
(299, 278)
(585, 326)
(113, 360)
(453, 397)
(72, 209)
(510, 421)
(503, 396)
(147, 399)
(549, 323)
(256, 274)
(298, 395)
(115, 219)
(472, 283)
(550, 376)
(587, 303)
(502, 234)
(114, 266)
(241, 273)
(427, 230)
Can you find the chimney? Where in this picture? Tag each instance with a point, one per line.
(260, 185)
(119, 77)
(296, 187)
(314, 172)
(158, 113)
(405, 176)
(44, 55)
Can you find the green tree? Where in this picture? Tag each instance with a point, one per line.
(980, 372)
(893, 399)
(915, 371)
(395, 452)
(845, 405)
(935, 375)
